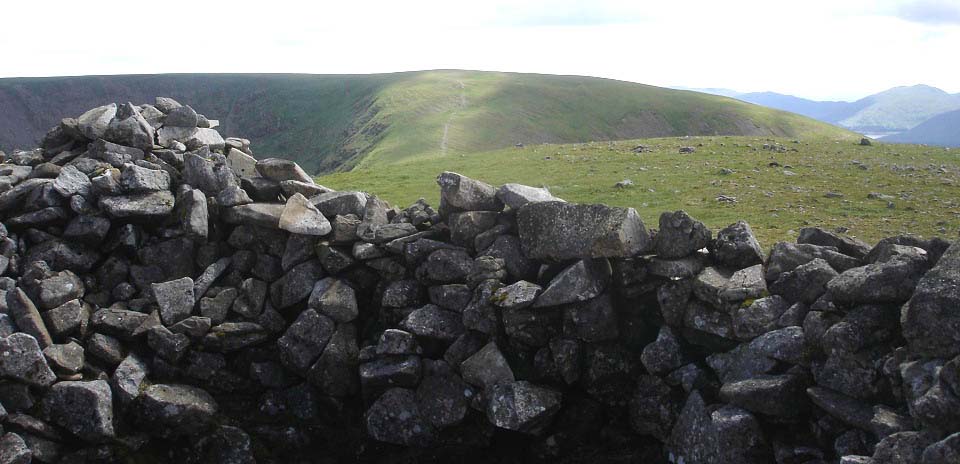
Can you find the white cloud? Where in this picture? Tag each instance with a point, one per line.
(817, 48)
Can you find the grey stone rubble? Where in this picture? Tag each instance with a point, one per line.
(165, 296)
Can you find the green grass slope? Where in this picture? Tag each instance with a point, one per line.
(337, 122)
(923, 183)
(436, 113)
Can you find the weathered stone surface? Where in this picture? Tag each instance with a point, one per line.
(805, 283)
(395, 418)
(335, 299)
(27, 318)
(170, 410)
(522, 406)
(71, 182)
(680, 235)
(461, 193)
(175, 299)
(516, 296)
(295, 285)
(305, 340)
(143, 205)
(299, 216)
(335, 372)
(516, 195)
(737, 247)
(93, 124)
(889, 282)
(582, 281)
(847, 245)
(433, 322)
(486, 367)
(561, 231)
(786, 257)
(85, 409)
(280, 170)
(22, 360)
(772, 395)
(128, 378)
(934, 308)
(663, 355)
(255, 214)
(13, 450)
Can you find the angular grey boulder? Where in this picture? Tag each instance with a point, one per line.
(522, 406)
(680, 235)
(582, 281)
(22, 360)
(562, 231)
(85, 409)
(486, 367)
(93, 124)
(299, 216)
(737, 247)
(395, 418)
(142, 205)
(888, 282)
(27, 318)
(335, 299)
(280, 170)
(175, 299)
(932, 313)
(516, 195)
(171, 410)
(461, 193)
(305, 340)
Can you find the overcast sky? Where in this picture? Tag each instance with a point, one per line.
(825, 49)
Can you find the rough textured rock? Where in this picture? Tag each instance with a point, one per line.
(680, 235)
(85, 409)
(22, 360)
(934, 308)
(737, 247)
(175, 410)
(522, 406)
(561, 231)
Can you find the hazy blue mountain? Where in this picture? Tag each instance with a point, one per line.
(943, 129)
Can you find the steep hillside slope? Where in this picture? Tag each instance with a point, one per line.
(943, 129)
(336, 122)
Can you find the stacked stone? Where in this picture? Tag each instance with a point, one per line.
(165, 295)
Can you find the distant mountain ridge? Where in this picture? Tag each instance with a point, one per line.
(892, 111)
(338, 122)
(942, 129)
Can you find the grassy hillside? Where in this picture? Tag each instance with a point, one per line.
(332, 122)
(943, 130)
(923, 183)
(451, 112)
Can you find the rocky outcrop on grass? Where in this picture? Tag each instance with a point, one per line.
(165, 296)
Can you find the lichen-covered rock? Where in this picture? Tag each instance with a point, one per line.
(583, 280)
(171, 410)
(561, 231)
(22, 360)
(934, 308)
(85, 409)
(395, 418)
(522, 406)
(680, 235)
(737, 247)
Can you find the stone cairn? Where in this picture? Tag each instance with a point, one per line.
(167, 296)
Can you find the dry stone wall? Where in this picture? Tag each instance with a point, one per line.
(167, 297)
